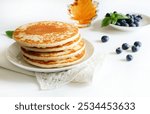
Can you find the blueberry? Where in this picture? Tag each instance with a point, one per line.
(115, 11)
(118, 24)
(129, 57)
(132, 25)
(136, 19)
(122, 24)
(135, 48)
(133, 15)
(129, 21)
(104, 39)
(132, 20)
(138, 44)
(125, 46)
(128, 15)
(126, 25)
(118, 50)
(119, 20)
(123, 21)
(140, 17)
(107, 15)
(137, 24)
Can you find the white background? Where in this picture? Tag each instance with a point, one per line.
(116, 77)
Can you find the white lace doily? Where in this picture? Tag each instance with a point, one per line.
(80, 75)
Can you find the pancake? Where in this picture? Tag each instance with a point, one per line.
(45, 34)
(55, 55)
(50, 44)
(66, 46)
(56, 63)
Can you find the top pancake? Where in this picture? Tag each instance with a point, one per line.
(45, 34)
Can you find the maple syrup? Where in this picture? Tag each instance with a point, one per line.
(83, 12)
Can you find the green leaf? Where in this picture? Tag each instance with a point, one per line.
(9, 33)
(114, 17)
(121, 16)
(106, 21)
(114, 21)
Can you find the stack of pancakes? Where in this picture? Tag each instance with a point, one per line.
(50, 44)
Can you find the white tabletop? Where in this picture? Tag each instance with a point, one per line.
(116, 77)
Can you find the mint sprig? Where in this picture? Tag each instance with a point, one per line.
(9, 33)
(112, 19)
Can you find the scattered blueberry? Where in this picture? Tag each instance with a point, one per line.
(135, 48)
(104, 39)
(118, 50)
(125, 46)
(138, 43)
(129, 57)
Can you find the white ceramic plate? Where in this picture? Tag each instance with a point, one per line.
(143, 23)
(14, 56)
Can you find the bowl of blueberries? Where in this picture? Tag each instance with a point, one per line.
(133, 22)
